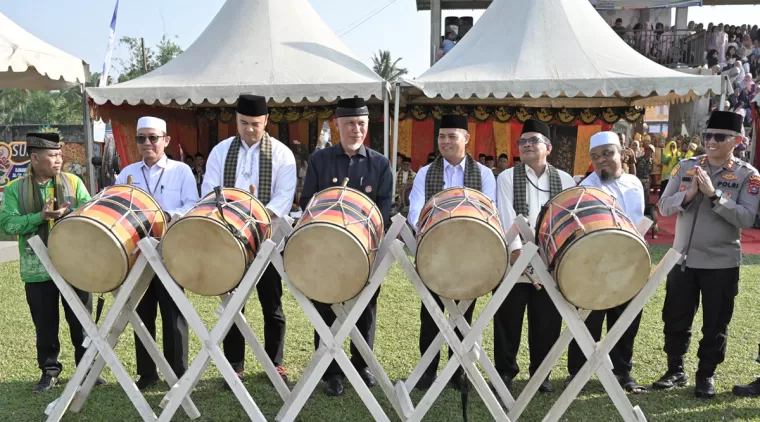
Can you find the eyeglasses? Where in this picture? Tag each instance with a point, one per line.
(608, 153)
(719, 137)
(533, 140)
(140, 139)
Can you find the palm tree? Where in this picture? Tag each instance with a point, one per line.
(383, 65)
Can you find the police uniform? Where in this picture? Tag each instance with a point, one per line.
(369, 172)
(431, 179)
(712, 257)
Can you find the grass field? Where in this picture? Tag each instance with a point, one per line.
(396, 348)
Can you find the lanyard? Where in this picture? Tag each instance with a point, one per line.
(147, 185)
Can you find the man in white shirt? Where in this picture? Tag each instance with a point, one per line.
(172, 185)
(252, 157)
(524, 189)
(453, 168)
(627, 190)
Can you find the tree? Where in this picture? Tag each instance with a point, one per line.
(132, 67)
(384, 66)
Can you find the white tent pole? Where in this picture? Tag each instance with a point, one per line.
(88, 142)
(394, 159)
(386, 117)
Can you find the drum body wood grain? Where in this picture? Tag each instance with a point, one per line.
(208, 256)
(461, 251)
(330, 253)
(592, 248)
(95, 246)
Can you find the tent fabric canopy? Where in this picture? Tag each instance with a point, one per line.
(558, 49)
(30, 63)
(278, 49)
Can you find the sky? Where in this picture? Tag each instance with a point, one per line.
(80, 27)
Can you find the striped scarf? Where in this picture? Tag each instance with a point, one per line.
(31, 201)
(264, 189)
(520, 187)
(434, 181)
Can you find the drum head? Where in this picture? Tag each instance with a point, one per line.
(603, 269)
(203, 257)
(87, 255)
(326, 263)
(456, 272)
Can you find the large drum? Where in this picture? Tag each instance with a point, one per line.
(329, 255)
(592, 248)
(461, 251)
(95, 246)
(209, 249)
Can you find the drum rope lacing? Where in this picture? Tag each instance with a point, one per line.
(373, 241)
(461, 201)
(249, 220)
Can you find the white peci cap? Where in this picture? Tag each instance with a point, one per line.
(604, 138)
(148, 122)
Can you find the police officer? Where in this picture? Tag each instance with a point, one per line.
(369, 172)
(715, 195)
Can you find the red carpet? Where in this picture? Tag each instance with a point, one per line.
(750, 237)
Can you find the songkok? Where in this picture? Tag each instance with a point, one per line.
(725, 120)
(252, 105)
(637, 137)
(47, 140)
(454, 121)
(537, 126)
(148, 122)
(647, 137)
(350, 107)
(604, 138)
(406, 160)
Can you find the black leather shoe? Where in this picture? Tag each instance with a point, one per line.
(672, 378)
(100, 381)
(507, 380)
(145, 382)
(546, 386)
(426, 380)
(705, 388)
(367, 376)
(227, 387)
(46, 383)
(750, 390)
(334, 386)
(568, 380)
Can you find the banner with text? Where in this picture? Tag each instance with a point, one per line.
(13, 162)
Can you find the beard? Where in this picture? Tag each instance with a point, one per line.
(607, 175)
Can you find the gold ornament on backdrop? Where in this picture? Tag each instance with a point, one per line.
(523, 114)
(503, 114)
(482, 113)
(545, 115)
(275, 114)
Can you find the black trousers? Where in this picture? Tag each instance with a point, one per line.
(718, 288)
(269, 290)
(174, 328)
(621, 354)
(429, 330)
(366, 324)
(544, 326)
(42, 298)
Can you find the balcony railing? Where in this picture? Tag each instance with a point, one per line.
(670, 48)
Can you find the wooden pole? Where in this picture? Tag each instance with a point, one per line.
(144, 60)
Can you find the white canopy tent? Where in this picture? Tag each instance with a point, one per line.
(27, 62)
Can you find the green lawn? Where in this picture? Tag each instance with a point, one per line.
(396, 348)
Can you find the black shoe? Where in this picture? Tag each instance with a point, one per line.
(546, 386)
(672, 378)
(750, 390)
(46, 383)
(426, 380)
(100, 381)
(568, 380)
(367, 376)
(334, 386)
(458, 380)
(507, 380)
(144, 382)
(705, 388)
(227, 387)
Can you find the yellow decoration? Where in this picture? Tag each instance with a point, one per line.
(502, 135)
(405, 137)
(472, 127)
(582, 147)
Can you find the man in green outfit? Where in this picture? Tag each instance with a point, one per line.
(30, 207)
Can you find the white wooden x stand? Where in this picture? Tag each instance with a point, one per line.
(332, 339)
(100, 341)
(597, 354)
(466, 351)
(210, 341)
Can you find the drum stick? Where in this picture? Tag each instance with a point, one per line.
(345, 182)
(252, 190)
(130, 178)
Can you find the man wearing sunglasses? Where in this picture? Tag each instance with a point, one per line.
(715, 196)
(606, 154)
(524, 189)
(172, 185)
(252, 157)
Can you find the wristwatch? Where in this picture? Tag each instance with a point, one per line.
(717, 195)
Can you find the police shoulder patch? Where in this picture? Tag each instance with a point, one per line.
(754, 185)
(675, 170)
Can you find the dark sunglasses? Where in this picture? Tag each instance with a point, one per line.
(140, 139)
(533, 140)
(719, 137)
